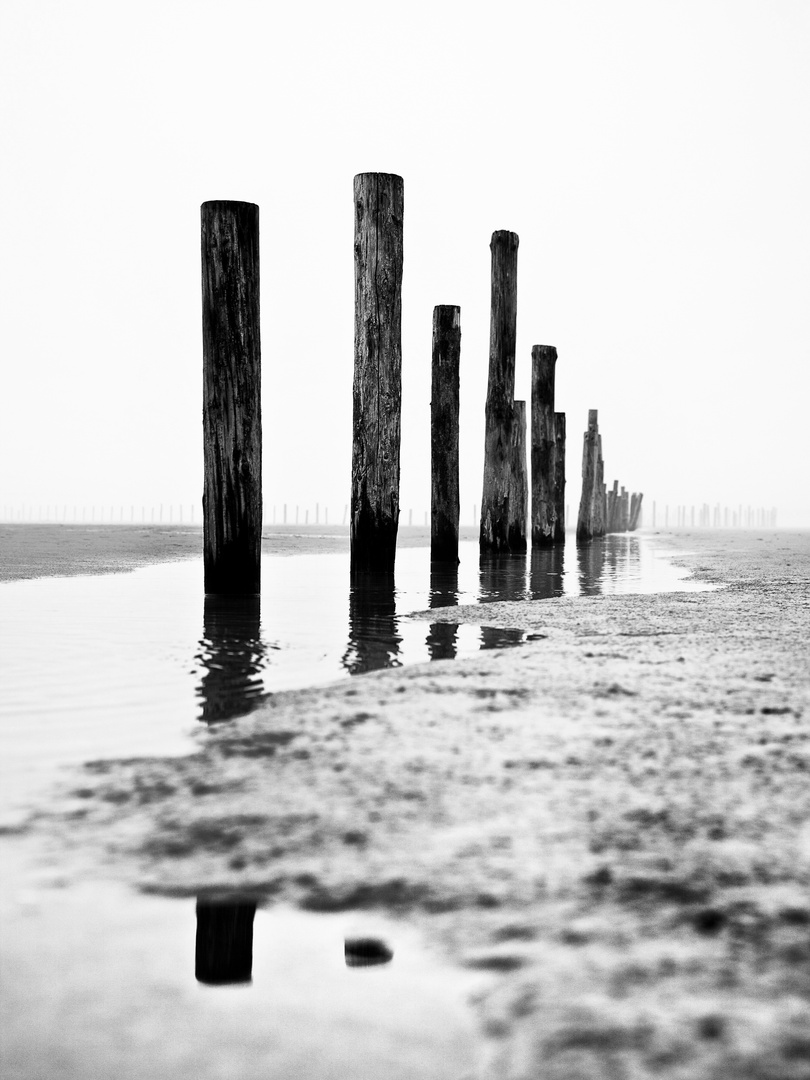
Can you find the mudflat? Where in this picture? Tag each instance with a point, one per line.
(611, 822)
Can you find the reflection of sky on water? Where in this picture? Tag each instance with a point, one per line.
(123, 664)
(305, 604)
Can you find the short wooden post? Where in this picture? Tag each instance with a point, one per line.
(445, 506)
(232, 422)
(600, 494)
(543, 445)
(559, 478)
(378, 205)
(592, 510)
(625, 510)
(518, 482)
(613, 508)
(494, 534)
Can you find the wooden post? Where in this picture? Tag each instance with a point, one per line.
(600, 493)
(635, 511)
(444, 410)
(625, 512)
(559, 478)
(592, 509)
(613, 508)
(232, 421)
(518, 483)
(500, 393)
(585, 516)
(378, 205)
(543, 447)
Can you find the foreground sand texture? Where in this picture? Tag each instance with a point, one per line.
(612, 821)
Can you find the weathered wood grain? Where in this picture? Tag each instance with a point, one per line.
(518, 501)
(444, 455)
(495, 513)
(543, 446)
(377, 397)
(232, 422)
(559, 478)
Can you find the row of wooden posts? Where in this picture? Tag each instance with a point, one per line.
(602, 511)
(232, 429)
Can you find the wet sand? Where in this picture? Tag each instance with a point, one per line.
(611, 822)
(69, 550)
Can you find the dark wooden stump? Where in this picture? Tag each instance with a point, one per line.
(378, 205)
(232, 419)
(444, 411)
(559, 478)
(588, 517)
(518, 502)
(543, 452)
(635, 513)
(495, 516)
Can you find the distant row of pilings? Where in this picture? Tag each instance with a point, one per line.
(706, 516)
(602, 511)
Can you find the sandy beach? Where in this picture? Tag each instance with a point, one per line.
(610, 824)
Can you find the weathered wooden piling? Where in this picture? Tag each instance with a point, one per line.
(378, 205)
(518, 481)
(444, 411)
(495, 514)
(624, 510)
(543, 445)
(559, 478)
(232, 422)
(613, 508)
(635, 511)
(600, 493)
(592, 509)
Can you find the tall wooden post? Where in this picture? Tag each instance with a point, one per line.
(378, 206)
(559, 477)
(232, 420)
(444, 411)
(500, 393)
(518, 484)
(544, 359)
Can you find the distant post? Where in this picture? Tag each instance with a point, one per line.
(232, 421)
(518, 482)
(592, 503)
(444, 411)
(378, 209)
(544, 360)
(559, 477)
(494, 534)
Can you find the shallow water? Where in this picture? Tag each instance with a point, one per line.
(128, 664)
(103, 980)
(99, 981)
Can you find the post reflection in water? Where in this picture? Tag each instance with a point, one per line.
(224, 950)
(608, 564)
(501, 577)
(591, 563)
(232, 655)
(374, 641)
(442, 637)
(546, 577)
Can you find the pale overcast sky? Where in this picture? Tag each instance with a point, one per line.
(654, 158)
